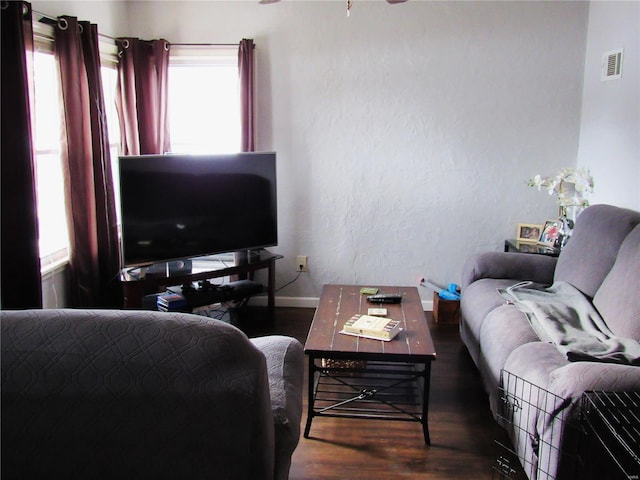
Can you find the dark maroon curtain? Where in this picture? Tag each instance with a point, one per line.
(142, 96)
(246, 73)
(247, 131)
(94, 258)
(21, 283)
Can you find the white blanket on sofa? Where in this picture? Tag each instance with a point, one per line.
(562, 315)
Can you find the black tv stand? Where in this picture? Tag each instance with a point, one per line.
(156, 278)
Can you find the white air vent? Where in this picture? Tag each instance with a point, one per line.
(612, 65)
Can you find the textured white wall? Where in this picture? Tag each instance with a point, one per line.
(405, 134)
(610, 130)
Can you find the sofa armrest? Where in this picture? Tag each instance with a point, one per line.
(570, 381)
(558, 428)
(575, 378)
(285, 367)
(518, 266)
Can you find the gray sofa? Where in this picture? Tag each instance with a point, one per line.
(602, 261)
(133, 394)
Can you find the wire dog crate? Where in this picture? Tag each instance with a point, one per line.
(537, 421)
(552, 438)
(611, 442)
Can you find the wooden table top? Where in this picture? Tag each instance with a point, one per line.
(338, 303)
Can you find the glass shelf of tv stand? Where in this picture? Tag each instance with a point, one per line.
(139, 281)
(198, 265)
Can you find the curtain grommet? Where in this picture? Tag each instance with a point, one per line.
(63, 24)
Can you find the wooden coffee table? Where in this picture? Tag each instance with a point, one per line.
(356, 377)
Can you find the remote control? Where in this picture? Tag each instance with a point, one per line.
(385, 298)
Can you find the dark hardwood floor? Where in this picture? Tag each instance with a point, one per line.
(461, 426)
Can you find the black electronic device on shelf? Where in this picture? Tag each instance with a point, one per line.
(179, 206)
(206, 293)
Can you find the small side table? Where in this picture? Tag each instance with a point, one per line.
(445, 311)
(512, 245)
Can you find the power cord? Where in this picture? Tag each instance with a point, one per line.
(289, 283)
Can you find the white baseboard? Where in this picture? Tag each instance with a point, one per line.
(310, 302)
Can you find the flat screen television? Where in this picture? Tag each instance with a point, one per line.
(178, 206)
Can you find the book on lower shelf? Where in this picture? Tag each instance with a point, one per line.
(368, 326)
(170, 301)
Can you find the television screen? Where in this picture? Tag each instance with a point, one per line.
(179, 206)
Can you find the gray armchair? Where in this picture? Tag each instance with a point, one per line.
(132, 394)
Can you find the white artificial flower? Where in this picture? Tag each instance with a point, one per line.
(569, 185)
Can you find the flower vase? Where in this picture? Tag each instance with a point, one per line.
(574, 210)
(565, 228)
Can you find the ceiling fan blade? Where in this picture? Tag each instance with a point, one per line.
(265, 2)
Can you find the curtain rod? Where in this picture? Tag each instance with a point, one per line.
(48, 19)
(203, 44)
(206, 44)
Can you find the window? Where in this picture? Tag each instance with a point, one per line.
(53, 235)
(109, 80)
(53, 241)
(204, 100)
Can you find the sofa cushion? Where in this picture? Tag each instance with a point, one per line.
(618, 299)
(592, 250)
(478, 299)
(504, 329)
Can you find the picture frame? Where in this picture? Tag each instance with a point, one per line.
(529, 232)
(528, 247)
(550, 233)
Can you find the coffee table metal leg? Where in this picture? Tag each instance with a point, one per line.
(425, 403)
(310, 394)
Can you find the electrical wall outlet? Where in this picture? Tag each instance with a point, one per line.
(301, 263)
